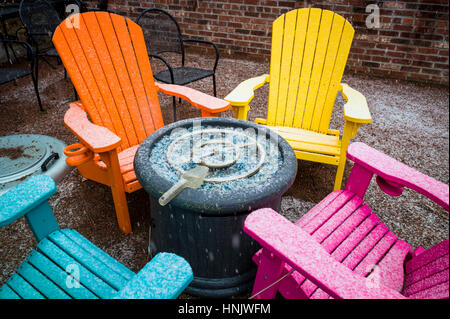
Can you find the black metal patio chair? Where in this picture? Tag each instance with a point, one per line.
(40, 20)
(12, 73)
(163, 35)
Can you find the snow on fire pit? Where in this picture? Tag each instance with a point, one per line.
(249, 167)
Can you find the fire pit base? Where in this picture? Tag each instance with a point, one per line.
(216, 247)
(205, 225)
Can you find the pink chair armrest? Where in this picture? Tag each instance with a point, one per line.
(393, 171)
(298, 249)
(198, 99)
(97, 138)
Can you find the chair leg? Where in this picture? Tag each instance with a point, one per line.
(118, 191)
(174, 101)
(214, 85)
(121, 206)
(35, 78)
(269, 271)
(339, 174)
(350, 130)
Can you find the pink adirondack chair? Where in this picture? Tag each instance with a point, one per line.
(340, 249)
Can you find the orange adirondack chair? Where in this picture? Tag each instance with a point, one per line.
(107, 61)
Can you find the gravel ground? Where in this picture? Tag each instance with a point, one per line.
(410, 123)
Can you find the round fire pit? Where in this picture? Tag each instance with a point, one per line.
(249, 167)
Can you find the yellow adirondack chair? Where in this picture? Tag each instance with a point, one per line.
(309, 53)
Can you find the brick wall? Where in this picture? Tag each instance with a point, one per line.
(410, 43)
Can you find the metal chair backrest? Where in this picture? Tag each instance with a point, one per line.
(161, 32)
(39, 18)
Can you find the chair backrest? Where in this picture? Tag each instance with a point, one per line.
(309, 53)
(161, 31)
(39, 18)
(427, 274)
(107, 61)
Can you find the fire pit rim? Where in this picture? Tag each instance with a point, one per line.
(199, 200)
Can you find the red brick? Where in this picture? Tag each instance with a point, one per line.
(412, 42)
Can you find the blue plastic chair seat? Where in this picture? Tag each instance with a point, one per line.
(66, 265)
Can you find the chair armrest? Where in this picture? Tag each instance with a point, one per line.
(298, 249)
(97, 138)
(198, 99)
(244, 92)
(164, 277)
(209, 43)
(356, 109)
(26, 196)
(398, 173)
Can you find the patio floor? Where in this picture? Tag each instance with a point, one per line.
(410, 123)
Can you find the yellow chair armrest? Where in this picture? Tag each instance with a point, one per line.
(356, 109)
(244, 92)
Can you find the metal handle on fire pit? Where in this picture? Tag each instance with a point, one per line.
(172, 192)
(44, 167)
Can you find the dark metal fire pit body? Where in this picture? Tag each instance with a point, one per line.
(205, 225)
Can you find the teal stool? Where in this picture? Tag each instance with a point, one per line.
(66, 265)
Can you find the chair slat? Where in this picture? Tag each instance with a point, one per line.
(115, 94)
(315, 148)
(307, 65)
(390, 270)
(75, 37)
(290, 20)
(7, 293)
(120, 113)
(131, 79)
(275, 68)
(367, 264)
(428, 282)
(23, 288)
(338, 71)
(297, 59)
(151, 116)
(355, 237)
(330, 210)
(344, 230)
(364, 247)
(98, 253)
(337, 219)
(318, 208)
(73, 69)
(436, 292)
(294, 134)
(429, 269)
(427, 256)
(58, 276)
(87, 278)
(89, 261)
(46, 287)
(330, 59)
(318, 67)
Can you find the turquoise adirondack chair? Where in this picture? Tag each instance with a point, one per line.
(66, 265)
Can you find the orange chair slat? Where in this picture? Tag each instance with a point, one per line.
(74, 36)
(98, 58)
(135, 95)
(76, 77)
(152, 115)
(133, 186)
(118, 66)
(129, 177)
(129, 152)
